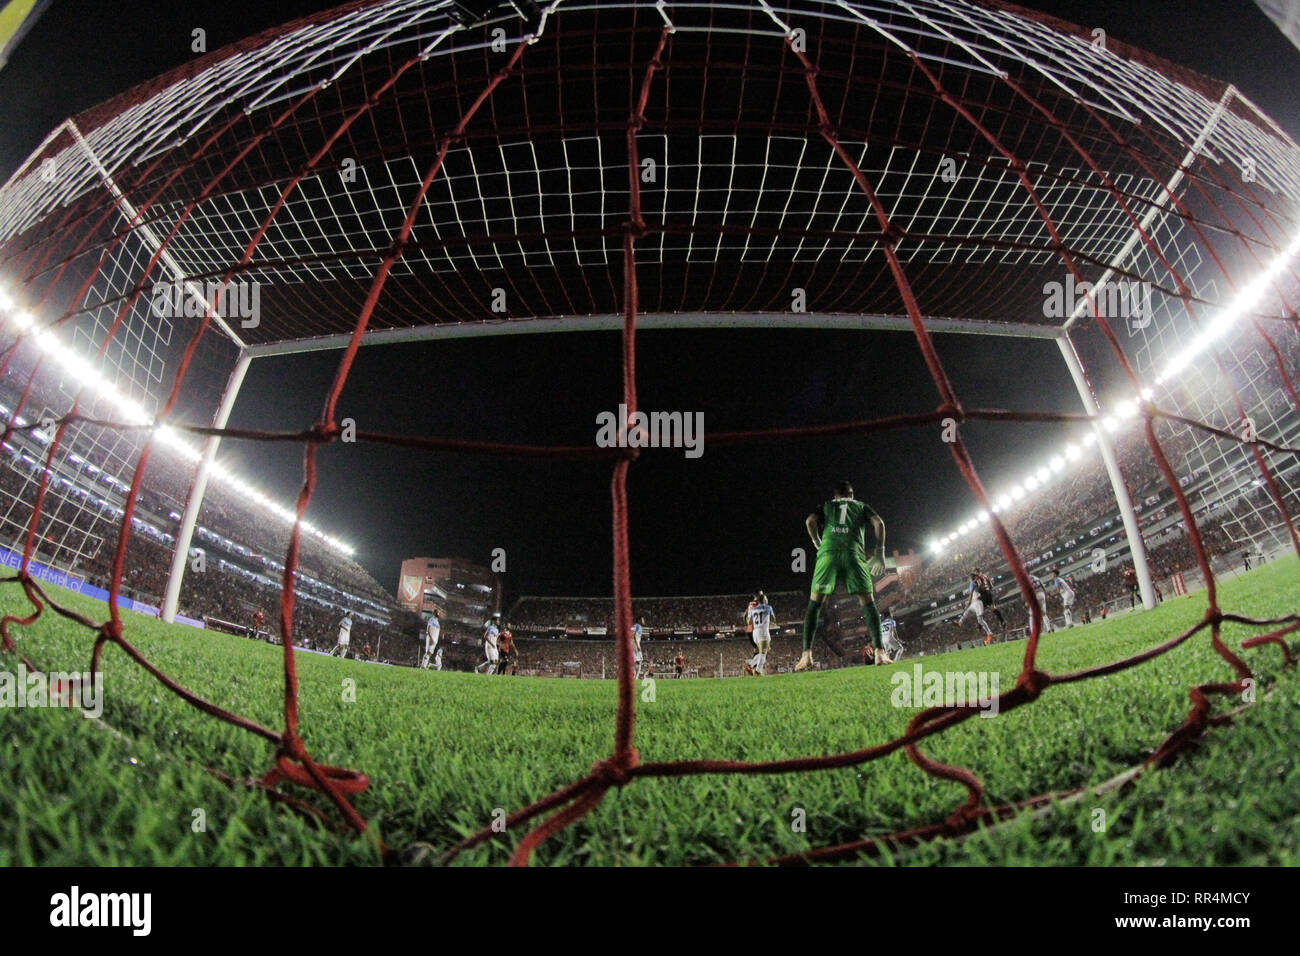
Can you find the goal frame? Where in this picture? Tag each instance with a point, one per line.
(649, 322)
(652, 321)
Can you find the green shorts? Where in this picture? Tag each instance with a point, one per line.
(834, 566)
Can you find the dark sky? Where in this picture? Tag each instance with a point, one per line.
(725, 522)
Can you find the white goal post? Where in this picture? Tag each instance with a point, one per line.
(648, 322)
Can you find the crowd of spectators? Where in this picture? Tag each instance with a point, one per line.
(1077, 511)
(705, 613)
(704, 657)
(1101, 593)
(244, 549)
(237, 550)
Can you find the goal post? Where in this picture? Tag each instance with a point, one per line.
(392, 171)
(199, 487)
(658, 321)
(1122, 498)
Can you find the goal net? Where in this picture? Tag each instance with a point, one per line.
(398, 170)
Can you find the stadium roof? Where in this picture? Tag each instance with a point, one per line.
(292, 159)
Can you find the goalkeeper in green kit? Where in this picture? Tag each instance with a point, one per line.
(838, 530)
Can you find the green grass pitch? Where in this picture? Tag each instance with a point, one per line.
(444, 750)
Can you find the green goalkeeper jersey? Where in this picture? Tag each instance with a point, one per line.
(844, 527)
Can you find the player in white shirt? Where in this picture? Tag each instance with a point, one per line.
(638, 628)
(1067, 595)
(975, 607)
(889, 636)
(491, 632)
(345, 637)
(1040, 592)
(760, 616)
(432, 632)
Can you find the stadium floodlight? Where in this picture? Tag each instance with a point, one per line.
(801, 177)
(1004, 502)
(1246, 301)
(1057, 463)
(84, 371)
(983, 517)
(6, 301)
(1017, 492)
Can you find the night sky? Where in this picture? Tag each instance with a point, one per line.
(725, 522)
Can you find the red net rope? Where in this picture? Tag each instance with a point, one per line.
(569, 804)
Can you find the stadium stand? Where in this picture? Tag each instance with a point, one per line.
(241, 550)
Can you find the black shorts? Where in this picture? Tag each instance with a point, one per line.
(986, 598)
